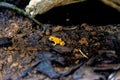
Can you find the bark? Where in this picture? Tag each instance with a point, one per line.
(41, 6)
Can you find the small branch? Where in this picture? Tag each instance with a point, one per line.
(83, 54)
(112, 4)
(20, 11)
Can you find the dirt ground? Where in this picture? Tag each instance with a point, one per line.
(26, 49)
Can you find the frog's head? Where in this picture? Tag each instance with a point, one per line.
(51, 38)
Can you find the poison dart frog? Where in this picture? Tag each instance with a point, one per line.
(56, 40)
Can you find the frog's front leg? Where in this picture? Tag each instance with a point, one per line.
(54, 44)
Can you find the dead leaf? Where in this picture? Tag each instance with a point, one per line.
(12, 30)
(14, 65)
(10, 59)
(83, 41)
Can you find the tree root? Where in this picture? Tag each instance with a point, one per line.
(20, 11)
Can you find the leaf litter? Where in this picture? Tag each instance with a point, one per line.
(27, 52)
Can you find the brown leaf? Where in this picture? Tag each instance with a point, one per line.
(10, 59)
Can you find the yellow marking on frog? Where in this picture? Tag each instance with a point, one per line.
(56, 40)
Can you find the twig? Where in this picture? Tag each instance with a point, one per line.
(70, 28)
(83, 54)
(112, 4)
(20, 11)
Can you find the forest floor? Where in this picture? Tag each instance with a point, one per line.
(28, 52)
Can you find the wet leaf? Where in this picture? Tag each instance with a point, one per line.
(47, 69)
(47, 56)
(4, 42)
(26, 71)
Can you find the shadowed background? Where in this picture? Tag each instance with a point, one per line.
(92, 12)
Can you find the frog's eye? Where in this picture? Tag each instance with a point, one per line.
(50, 38)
